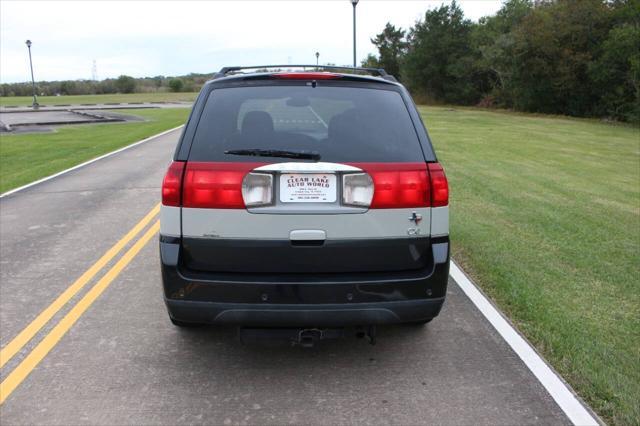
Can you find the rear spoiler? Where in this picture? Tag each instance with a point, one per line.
(377, 72)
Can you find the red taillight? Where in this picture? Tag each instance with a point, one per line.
(307, 75)
(398, 185)
(172, 184)
(215, 185)
(219, 185)
(439, 185)
(405, 185)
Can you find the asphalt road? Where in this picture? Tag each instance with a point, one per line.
(122, 362)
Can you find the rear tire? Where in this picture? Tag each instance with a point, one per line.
(184, 324)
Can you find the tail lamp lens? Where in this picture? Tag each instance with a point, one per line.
(399, 189)
(257, 189)
(214, 185)
(172, 183)
(398, 185)
(357, 189)
(439, 185)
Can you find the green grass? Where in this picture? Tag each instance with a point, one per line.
(25, 158)
(98, 99)
(545, 215)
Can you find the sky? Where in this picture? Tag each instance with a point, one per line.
(149, 38)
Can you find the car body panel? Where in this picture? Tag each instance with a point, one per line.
(230, 223)
(170, 221)
(439, 221)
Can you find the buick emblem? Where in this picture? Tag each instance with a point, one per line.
(415, 218)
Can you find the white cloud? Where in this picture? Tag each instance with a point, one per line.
(146, 38)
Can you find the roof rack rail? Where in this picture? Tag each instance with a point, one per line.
(374, 71)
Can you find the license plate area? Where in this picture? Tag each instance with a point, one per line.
(308, 188)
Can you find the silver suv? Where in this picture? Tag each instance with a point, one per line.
(304, 199)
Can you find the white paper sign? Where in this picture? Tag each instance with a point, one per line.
(308, 188)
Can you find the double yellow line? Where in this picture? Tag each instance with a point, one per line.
(27, 365)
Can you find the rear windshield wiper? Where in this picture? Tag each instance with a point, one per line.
(301, 155)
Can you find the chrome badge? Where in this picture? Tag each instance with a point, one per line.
(415, 218)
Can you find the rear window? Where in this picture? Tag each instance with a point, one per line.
(342, 124)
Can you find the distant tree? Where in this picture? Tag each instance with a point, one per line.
(176, 84)
(506, 19)
(371, 61)
(125, 84)
(391, 46)
(616, 74)
(158, 80)
(106, 86)
(553, 46)
(68, 88)
(439, 61)
(494, 40)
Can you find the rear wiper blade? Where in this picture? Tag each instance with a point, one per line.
(302, 155)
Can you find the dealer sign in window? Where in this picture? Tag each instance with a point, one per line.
(308, 188)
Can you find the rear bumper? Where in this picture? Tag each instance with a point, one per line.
(304, 315)
(311, 299)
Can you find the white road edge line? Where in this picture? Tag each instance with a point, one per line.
(108, 154)
(551, 381)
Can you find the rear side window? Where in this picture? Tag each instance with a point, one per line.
(342, 124)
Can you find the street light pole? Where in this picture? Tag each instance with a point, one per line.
(317, 58)
(354, 3)
(33, 81)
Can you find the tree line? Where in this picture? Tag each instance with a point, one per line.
(123, 84)
(572, 57)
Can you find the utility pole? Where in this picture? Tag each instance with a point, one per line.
(33, 81)
(354, 3)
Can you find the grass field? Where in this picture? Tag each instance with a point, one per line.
(545, 215)
(28, 157)
(97, 99)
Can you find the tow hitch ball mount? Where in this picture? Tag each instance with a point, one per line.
(307, 337)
